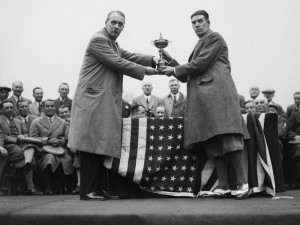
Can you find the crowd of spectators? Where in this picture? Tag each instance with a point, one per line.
(34, 134)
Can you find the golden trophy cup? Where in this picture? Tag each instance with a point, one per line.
(160, 44)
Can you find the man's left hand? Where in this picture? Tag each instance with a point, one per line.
(155, 60)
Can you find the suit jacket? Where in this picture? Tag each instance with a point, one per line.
(96, 115)
(11, 98)
(212, 105)
(179, 106)
(290, 110)
(29, 122)
(153, 104)
(42, 129)
(67, 103)
(293, 125)
(4, 125)
(34, 110)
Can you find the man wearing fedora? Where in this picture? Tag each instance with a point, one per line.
(4, 92)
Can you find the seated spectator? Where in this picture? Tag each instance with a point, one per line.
(65, 114)
(293, 132)
(17, 88)
(273, 108)
(24, 116)
(52, 131)
(138, 111)
(20, 154)
(269, 95)
(294, 107)
(160, 112)
(147, 100)
(254, 91)
(261, 104)
(250, 106)
(35, 108)
(4, 92)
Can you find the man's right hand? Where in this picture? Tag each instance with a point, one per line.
(166, 56)
(151, 71)
(3, 152)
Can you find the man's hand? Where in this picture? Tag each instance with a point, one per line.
(297, 138)
(167, 70)
(165, 55)
(3, 152)
(151, 71)
(155, 60)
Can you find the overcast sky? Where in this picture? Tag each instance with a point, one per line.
(43, 41)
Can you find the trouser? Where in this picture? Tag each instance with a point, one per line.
(93, 174)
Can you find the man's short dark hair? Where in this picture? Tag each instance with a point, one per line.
(21, 101)
(297, 93)
(5, 101)
(64, 84)
(201, 12)
(135, 109)
(36, 89)
(47, 100)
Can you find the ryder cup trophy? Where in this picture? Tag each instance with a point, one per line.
(160, 44)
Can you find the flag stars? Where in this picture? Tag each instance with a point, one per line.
(146, 179)
(151, 147)
(182, 178)
(171, 188)
(179, 136)
(189, 189)
(183, 168)
(178, 147)
(194, 157)
(173, 178)
(152, 188)
(152, 127)
(176, 157)
(171, 127)
(166, 168)
(193, 168)
(180, 126)
(155, 178)
(152, 137)
(180, 189)
(185, 157)
(191, 179)
(149, 168)
(170, 147)
(160, 148)
(163, 178)
(168, 158)
(159, 158)
(174, 168)
(162, 188)
(150, 158)
(157, 169)
(161, 127)
(161, 137)
(170, 137)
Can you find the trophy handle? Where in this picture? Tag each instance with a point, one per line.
(152, 42)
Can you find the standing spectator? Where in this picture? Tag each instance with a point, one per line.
(269, 95)
(254, 91)
(63, 99)
(52, 131)
(261, 104)
(294, 107)
(149, 101)
(175, 101)
(24, 115)
(35, 108)
(4, 92)
(17, 88)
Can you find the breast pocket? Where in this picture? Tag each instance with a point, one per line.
(94, 91)
(206, 79)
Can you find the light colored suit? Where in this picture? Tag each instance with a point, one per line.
(42, 129)
(153, 103)
(179, 106)
(96, 115)
(16, 111)
(29, 122)
(34, 110)
(212, 106)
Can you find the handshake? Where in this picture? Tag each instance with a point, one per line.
(161, 68)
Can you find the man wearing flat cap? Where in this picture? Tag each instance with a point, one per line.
(4, 92)
(269, 95)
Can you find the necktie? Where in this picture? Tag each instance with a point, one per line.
(175, 99)
(147, 101)
(50, 119)
(25, 120)
(40, 107)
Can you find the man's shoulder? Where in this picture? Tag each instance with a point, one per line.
(31, 116)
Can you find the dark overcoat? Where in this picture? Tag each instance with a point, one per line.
(212, 105)
(96, 115)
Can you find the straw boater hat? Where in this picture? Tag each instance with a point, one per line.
(5, 88)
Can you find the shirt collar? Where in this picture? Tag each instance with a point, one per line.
(149, 97)
(17, 98)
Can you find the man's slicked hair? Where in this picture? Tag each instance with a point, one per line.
(201, 12)
(115, 11)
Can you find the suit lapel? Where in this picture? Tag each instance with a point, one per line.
(199, 44)
(5, 124)
(56, 122)
(18, 125)
(151, 103)
(45, 122)
(143, 101)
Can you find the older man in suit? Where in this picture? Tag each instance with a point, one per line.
(4, 92)
(24, 115)
(218, 127)
(294, 107)
(149, 101)
(175, 101)
(63, 99)
(52, 131)
(35, 108)
(17, 88)
(96, 115)
(20, 155)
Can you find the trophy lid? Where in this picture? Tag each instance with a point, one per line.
(161, 43)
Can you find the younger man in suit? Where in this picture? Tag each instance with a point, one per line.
(294, 107)
(63, 99)
(35, 108)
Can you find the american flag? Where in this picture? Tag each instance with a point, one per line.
(153, 156)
